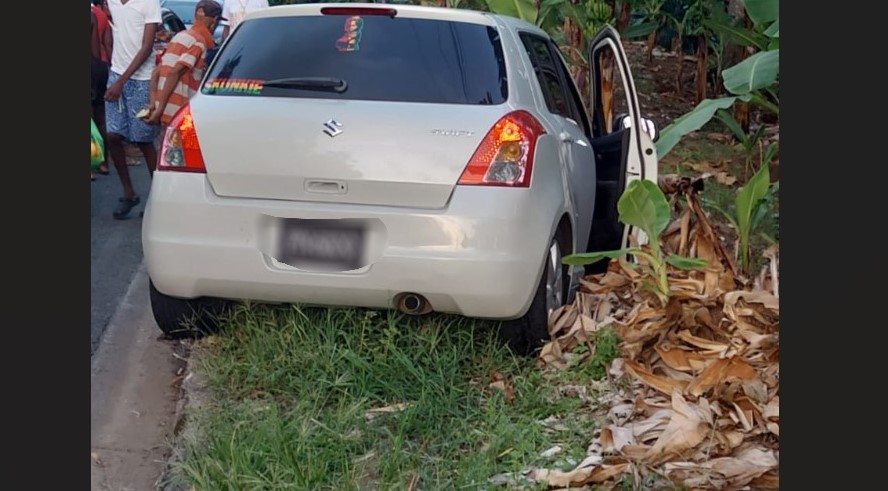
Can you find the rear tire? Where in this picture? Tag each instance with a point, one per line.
(186, 318)
(528, 333)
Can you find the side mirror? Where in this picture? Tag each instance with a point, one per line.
(648, 126)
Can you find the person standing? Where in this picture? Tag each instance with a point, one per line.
(100, 8)
(235, 11)
(99, 66)
(134, 26)
(182, 64)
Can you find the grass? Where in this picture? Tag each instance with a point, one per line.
(606, 350)
(291, 388)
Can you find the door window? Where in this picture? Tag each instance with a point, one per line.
(577, 108)
(610, 100)
(558, 88)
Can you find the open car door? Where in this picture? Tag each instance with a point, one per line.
(623, 152)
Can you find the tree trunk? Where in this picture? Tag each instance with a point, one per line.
(717, 84)
(679, 57)
(651, 41)
(702, 68)
(625, 16)
(735, 54)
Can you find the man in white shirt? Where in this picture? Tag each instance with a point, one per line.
(235, 10)
(132, 62)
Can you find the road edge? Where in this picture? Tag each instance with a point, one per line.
(135, 378)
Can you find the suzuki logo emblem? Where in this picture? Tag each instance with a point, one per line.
(331, 128)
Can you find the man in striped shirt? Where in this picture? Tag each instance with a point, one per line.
(182, 64)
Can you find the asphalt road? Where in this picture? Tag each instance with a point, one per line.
(116, 246)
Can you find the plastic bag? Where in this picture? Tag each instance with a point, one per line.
(97, 147)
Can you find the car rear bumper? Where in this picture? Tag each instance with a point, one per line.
(481, 257)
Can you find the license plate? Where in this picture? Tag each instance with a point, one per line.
(322, 245)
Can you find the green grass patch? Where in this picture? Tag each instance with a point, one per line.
(291, 389)
(606, 350)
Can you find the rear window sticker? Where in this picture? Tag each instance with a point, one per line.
(234, 86)
(351, 38)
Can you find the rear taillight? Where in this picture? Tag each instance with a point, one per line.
(181, 150)
(505, 155)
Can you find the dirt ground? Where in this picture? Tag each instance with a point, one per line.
(655, 83)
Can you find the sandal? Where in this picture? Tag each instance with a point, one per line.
(103, 170)
(126, 205)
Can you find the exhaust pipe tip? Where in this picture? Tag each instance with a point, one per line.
(413, 304)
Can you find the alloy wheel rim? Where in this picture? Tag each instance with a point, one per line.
(554, 283)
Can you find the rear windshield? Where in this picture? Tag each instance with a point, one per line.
(379, 58)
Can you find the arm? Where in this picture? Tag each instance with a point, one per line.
(113, 92)
(152, 89)
(108, 42)
(95, 47)
(163, 96)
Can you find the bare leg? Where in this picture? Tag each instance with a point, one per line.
(118, 155)
(150, 154)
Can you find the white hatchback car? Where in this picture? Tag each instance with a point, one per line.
(382, 156)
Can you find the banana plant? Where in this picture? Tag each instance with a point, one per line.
(582, 22)
(748, 142)
(749, 200)
(591, 16)
(752, 80)
(754, 201)
(544, 13)
(717, 39)
(655, 19)
(643, 205)
(690, 22)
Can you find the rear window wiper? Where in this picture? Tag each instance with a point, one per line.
(337, 84)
